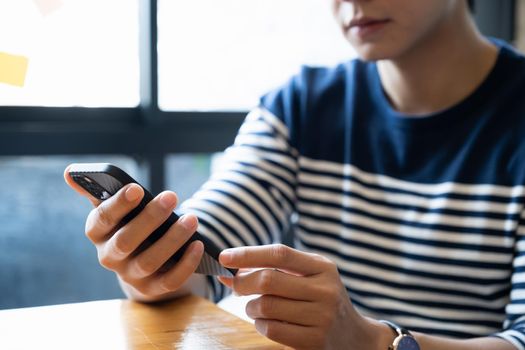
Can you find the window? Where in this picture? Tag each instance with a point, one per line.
(46, 258)
(81, 53)
(185, 173)
(222, 55)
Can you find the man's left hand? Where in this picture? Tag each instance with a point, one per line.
(303, 303)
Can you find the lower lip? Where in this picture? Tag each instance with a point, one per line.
(366, 31)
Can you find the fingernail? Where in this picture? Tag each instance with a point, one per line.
(168, 200)
(132, 193)
(261, 327)
(187, 221)
(197, 249)
(226, 256)
(227, 281)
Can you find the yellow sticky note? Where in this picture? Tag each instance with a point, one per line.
(47, 6)
(13, 69)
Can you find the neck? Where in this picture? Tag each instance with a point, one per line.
(441, 70)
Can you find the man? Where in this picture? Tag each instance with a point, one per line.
(403, 172)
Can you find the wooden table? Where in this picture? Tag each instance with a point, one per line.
(188, 323)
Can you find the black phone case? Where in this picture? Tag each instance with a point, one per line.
(102, 180)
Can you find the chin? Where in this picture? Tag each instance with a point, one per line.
(368, 54)
(374, 52)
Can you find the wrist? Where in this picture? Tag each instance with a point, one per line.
(380, 335)
(404, 340)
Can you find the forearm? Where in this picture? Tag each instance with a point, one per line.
(196, 285)
(428, 342)
(487, 343)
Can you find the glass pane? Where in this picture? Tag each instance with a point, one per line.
(46, 258)
(185, 173)
(222, 55)
(79, 52)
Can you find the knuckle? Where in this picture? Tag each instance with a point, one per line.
(105, 260)
(144, 267)
(89, 234)
(151, 214)
(104, 217)
(168, 284)
(237, 285)
(330, 265)
(331, 295)
(241, 254)
(266, 305)
(124, 277)
(280, 252)
(189, 262)
(121, 246)
(144, 289)
(90, 226)
(155, 212)
(266, 281)
(173, 238)
(322, 259)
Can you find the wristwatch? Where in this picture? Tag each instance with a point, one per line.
(404, 340)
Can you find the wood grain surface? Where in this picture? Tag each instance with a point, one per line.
(187, 323)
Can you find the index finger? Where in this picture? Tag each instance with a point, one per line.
(79, 189)
(276, 256)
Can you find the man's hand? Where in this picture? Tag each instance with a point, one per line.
(119, 247)
(303, 303)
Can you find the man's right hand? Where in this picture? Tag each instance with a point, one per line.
(117, 246)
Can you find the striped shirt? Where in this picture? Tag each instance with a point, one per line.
(424, 216)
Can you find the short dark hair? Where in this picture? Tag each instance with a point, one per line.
(471, 5)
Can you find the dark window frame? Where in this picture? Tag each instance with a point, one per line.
(145, 132)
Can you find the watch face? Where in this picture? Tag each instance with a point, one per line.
(407, 343)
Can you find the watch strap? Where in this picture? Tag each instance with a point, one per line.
(402, 336)
(397, 329)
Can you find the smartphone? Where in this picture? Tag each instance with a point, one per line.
(103, 180)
